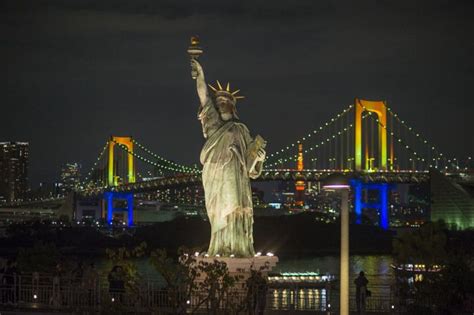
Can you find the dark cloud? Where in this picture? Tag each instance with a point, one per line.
(78, 71)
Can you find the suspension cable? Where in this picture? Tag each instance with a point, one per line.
(93, 168)
(311, 134)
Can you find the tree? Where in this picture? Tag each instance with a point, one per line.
(192, 285)
(39, 258)
(124, 258)
(425, 245)
(445, 290)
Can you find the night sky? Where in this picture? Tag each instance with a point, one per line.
(75, 72)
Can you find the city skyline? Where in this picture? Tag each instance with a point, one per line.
(78, 73)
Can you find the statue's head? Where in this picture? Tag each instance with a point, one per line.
(225, 101)
(226, 107)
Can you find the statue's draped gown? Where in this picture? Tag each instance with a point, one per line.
(226, 183)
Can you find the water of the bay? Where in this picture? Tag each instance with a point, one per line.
(376, 267)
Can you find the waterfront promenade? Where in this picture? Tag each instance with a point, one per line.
(48, 294)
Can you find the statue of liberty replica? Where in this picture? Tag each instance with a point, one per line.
(230, 158)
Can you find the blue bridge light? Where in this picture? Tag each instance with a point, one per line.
(109, 198)
(381, 205)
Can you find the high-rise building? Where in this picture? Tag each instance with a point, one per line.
(14, 158)
(70, 177)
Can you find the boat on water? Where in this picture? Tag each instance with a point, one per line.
(300, 279)
(416, 268)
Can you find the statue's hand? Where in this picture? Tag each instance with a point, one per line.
(261, 155)
(196, 66)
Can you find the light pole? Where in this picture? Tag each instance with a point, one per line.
(339, 182)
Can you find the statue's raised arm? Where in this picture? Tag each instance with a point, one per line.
(207, 113)
(201, 85)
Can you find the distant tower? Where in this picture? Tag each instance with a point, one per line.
(300, 184)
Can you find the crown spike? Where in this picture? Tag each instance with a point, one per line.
(220, 91)
(213, 88)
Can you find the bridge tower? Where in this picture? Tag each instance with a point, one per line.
(112, 176)
(380, 109)
(110, 197)
(300, 184)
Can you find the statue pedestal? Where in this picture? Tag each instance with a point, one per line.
(242, 266)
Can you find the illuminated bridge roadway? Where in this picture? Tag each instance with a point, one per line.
(268, 175)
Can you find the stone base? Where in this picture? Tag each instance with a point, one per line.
(242, 266)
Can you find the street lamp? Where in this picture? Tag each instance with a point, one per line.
(340, 182)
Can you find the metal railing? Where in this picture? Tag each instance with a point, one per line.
(54, 293)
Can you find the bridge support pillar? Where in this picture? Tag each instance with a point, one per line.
(357, 187)
(381, 205)
(109, 198)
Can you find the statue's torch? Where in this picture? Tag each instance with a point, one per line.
(194, 52)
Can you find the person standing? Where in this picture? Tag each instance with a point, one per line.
(91, 281)
(361, 292)
(116, 279)
(9, 281)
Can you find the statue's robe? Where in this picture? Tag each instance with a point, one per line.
(226, 182)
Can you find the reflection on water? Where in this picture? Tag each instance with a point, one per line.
(376, 267)
(298, 299)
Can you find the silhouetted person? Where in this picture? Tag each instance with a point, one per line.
(116, 282)
(91, 280)
(78, 273)
(8, 282)
(55, 299)
(262, 295)
(257, 289)
(361, 292)
(3, 294)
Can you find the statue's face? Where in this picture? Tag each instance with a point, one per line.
(225, 107)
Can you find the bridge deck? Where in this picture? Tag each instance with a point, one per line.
(269, 175)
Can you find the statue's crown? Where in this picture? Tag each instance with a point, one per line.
(219, 91)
